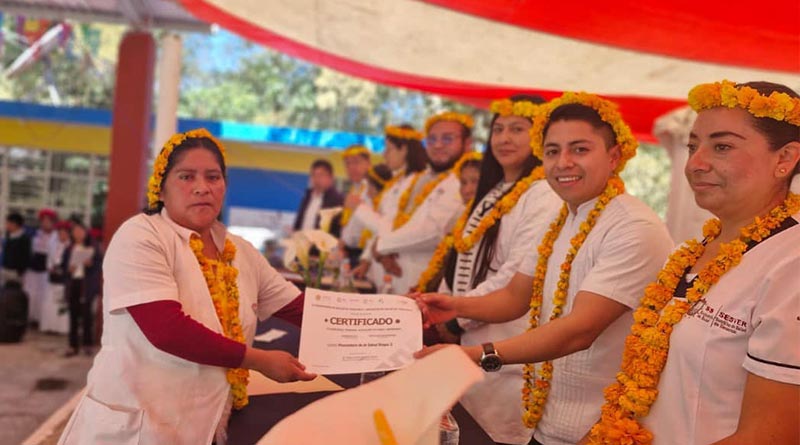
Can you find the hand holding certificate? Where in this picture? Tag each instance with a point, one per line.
(350, 333)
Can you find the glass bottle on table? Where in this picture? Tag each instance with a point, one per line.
(346, 279)
(448, 430)
(387, 287)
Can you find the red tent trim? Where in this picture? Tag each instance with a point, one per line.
(639, 112)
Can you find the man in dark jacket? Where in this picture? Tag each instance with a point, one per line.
(321, 195)
(16, 249)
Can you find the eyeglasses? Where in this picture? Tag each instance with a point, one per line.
(445, 139)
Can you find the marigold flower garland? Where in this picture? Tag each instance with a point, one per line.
(220, 278)
(502, 107)
(778, 106)
(646, 347)
(507, 107)
(366, 234)
(608, 113)
(403, 213)
(471, 156)
(162, 160)
(374, 176)
(449, 116)
(456, 238)
(355, 150)
(358, 189)
(534, 394)
(503, 206)
(403, 133)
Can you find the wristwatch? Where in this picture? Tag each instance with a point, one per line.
(490, 360)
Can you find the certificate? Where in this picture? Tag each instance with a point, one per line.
(347, 333)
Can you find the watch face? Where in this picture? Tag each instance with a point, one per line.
(491, 363)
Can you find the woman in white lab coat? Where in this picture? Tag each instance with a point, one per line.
(404, 155)
(181, 300)
(714, 355)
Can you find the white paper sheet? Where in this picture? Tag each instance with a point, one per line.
(260, 385)
(413, 401)
(350, 333)
(272, 334)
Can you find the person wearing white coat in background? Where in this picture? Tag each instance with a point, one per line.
(181, 300)
(357, 163)
(505, 222)
(55, 318)
(405, 156)
(429, 206)
(35, 281)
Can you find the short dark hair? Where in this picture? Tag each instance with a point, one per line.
(778, 133)
(179, 152)
(16, 218)
(383, 172)
(580, 112)
(416, 157)
(324, 164)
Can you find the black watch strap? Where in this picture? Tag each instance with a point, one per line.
(453, 327)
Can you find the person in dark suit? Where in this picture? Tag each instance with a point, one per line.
(321, 195)
(16, 249)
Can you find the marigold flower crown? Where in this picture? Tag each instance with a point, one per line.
(778, 106)
(471, 156)
(608, 113)
(375, 177)
(162, 160)
(355, 150)
(507, 107)
(403, 133)
(449, 116)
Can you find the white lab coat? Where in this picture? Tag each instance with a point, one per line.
(382, 219)
(351, 232)
(416, 241)
(137, 394)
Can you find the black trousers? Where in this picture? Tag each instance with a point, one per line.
(80, 314)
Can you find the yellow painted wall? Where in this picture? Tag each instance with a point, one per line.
(91, 139)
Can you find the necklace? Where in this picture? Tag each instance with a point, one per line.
(534, 394)
(220, 278)
(645, 355)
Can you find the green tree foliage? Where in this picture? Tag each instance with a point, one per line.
(647, 176)
(259, 85)
(227, 78)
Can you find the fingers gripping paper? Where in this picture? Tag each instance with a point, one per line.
(412, 400)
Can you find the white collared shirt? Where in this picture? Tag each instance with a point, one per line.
(521, 230)
(351, 232)
(312, 211)
(137, 393)
(417, 239)
(621, 255)
(746, 323)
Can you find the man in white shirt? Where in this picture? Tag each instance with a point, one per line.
(583, 151)
(404, 251)
(42, 243)
(321, 195)
(356, 163)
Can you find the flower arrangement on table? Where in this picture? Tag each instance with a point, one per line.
(297, 257)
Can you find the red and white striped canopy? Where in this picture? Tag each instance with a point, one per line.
(645, 55)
